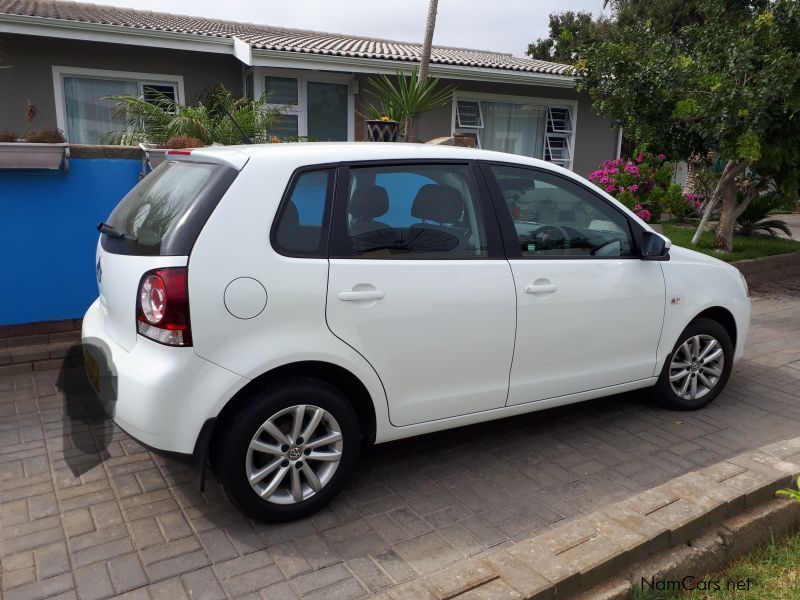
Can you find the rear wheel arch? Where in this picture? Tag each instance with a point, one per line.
(350, 385)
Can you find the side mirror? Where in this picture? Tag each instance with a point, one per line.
(654, 246)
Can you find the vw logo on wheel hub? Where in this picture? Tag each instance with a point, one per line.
(295, 453)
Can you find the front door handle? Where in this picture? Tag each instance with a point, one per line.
(540, 288)
(355, 296)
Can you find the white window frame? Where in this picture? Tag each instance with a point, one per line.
(142, 79)
(303, 79)
(545, 103)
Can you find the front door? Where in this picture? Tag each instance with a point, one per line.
(589, 311)
(418, 286)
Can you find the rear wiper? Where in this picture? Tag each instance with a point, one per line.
(110, 231)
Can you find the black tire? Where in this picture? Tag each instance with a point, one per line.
(232, 443)
(666, 396)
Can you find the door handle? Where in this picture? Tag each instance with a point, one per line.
(540, 288)
(355, 296)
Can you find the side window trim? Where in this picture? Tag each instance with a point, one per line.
(508, 231)
(338, 239)
(322, 250)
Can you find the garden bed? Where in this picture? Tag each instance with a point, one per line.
(743, 247)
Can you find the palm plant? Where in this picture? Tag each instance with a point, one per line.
(159, 117)
(406, 97)
(755, 218)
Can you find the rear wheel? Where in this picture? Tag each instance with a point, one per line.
(288, 450)
(698, 368)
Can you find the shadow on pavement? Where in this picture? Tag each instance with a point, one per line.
(88, 427)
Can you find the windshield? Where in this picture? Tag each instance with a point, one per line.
(165, 212)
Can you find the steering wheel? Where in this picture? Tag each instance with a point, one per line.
(548, 230)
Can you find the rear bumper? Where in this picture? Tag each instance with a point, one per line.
(158, 394)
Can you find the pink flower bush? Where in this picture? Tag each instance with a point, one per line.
(644, 184)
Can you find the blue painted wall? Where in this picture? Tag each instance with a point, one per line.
(48, 236)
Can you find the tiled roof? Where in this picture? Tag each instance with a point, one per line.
(266, 37)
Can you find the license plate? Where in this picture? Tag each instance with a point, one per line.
(92, 370)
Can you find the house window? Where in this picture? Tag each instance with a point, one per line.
(317, 106)
(518, 126)
(87, 115)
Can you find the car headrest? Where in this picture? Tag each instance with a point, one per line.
(291, 218)
(440, 203)
(368, 202)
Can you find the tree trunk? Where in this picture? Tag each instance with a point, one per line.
(725, 192)
(426, 46)
(723, 239)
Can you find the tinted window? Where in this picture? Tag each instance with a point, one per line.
(165, 212)
(300, 229)
(556, 217)
(426, 211)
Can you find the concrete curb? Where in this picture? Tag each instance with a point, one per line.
(767, 264)
(701, 520)
(706, 554)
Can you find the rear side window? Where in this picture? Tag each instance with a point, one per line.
(413, 212)
(164, 213)
(301, 225)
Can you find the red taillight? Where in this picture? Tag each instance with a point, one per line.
(162, 306)
(178, 152)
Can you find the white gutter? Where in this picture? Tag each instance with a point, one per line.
(118, 34)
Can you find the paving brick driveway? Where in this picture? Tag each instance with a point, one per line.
(85, 511)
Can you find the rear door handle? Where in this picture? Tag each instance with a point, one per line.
(540, 288)
(355, 296)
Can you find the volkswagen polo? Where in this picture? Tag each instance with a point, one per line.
(272, 309)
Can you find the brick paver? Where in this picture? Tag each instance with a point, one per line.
(87, 512)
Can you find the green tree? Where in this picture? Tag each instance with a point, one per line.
(570, 33)
(725, 78)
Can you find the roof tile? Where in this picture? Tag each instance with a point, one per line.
(267, 37)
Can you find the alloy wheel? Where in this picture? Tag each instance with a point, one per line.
(294, 454)
(696, 367)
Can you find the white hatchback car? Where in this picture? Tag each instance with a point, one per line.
(269, 309)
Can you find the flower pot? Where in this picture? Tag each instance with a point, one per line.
(21, 155)
(382, 131)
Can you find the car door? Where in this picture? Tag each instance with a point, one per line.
(589, 310)
(419, 286)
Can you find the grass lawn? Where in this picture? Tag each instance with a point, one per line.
(743, 247)
(773, 571)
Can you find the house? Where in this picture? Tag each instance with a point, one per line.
(66, 57)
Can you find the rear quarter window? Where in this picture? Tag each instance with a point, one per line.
(165, 212)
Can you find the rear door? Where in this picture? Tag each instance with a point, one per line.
(154, 226)
(419, 287)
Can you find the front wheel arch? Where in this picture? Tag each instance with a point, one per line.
(722, 316)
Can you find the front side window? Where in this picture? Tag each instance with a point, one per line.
(554, 217)
(90, 115)
(424, 211)
(300, 228)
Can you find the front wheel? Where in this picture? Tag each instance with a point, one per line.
(698, 368)
(288, 450)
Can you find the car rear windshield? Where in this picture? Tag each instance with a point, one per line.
(164, 213)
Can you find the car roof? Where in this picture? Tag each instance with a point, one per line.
(332, 152)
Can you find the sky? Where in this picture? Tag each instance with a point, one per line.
(508, 25)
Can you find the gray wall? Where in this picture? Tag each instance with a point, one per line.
(595, 141)
(31, 59)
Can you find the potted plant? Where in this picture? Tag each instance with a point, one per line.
(42, 149)
(402, 100)
(382, 129)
